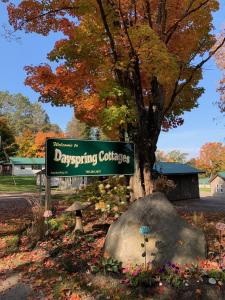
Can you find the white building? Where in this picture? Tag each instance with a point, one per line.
(26, 166)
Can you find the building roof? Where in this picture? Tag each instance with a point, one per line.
(27, 160)
(204, 180)
(174, 168)
(220, 174)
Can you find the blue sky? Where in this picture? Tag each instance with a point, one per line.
(201, 125)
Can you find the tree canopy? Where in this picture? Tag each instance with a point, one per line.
(171, 156)
(8, 145)
(22, 115)
(211, 158)
(126, 65)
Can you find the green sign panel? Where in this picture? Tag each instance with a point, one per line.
(68, 157)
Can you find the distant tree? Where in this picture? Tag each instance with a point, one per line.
(51, 127)
(211, 158)
(192, 162)
(76, 129)
(177, 156)
(160, 155)
(172, 156)
(40, 140)
(8, 144)
(23, 115)
(26, 145)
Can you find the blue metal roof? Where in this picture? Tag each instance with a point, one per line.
(27, 160)
(174, 168)
(204, 180)
(222, 174)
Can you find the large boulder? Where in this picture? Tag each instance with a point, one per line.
(171, 239)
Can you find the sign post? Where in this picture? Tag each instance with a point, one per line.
(47, 193)
(69, 157)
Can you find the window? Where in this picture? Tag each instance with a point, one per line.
(219, 188)
(36, 167)
(22, 167)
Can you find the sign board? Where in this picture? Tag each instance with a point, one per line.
(69, 157)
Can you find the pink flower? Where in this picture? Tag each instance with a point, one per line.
(47, 214)
(135, 273)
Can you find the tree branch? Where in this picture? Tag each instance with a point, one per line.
(187, 13)
(148, 10)
(133, 52)
(197, 67)
(161, 18)
(108, 32)
(173, 97)
(50, 12)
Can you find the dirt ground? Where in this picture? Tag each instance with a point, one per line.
(18, 204)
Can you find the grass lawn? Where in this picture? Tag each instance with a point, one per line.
(205, 189)
(23, 184)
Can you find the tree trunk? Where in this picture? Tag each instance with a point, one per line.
(137, 190)
(145, 139)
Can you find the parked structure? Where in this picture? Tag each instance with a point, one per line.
(185, 178)
(62, 183)
(23, 166)
(218, 184)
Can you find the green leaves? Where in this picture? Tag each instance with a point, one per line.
(117, 115)
(154, 56)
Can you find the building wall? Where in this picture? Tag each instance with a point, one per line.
(68, 183)
(24, 170)
(186, 187)
(218, 187)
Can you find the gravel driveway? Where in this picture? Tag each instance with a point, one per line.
(206, 203)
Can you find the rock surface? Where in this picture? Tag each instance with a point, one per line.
(171, 239)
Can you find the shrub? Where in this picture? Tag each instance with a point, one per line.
(163, 184)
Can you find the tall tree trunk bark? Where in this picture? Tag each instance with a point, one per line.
(145, 140)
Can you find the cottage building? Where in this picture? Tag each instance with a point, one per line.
(185, 178)
(25, 166)
(218, 184)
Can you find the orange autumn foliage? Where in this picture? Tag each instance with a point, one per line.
(40, 140)
(166, 35)
(211, 158)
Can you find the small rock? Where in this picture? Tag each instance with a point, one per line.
(212, 281)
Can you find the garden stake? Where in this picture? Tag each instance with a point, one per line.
(144, 230)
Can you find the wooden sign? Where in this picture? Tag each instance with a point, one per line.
(220, 226)
(68, 157)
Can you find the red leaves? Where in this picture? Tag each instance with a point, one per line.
(74, 296)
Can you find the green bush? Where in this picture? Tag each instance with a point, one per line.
(12, 243)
